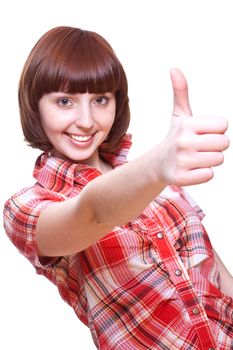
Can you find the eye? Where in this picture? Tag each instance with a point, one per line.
(64, 102)
(101, 100)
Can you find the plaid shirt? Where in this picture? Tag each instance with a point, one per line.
(149, 284)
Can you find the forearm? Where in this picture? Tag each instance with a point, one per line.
(123, 193)
(226, 277)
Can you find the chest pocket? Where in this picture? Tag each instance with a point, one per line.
(182, 224)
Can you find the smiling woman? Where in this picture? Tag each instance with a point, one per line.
(77, 124)
(71, 60)
(123, 241)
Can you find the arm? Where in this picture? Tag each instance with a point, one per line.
(109, 200)
(185, 157)
(226, 278)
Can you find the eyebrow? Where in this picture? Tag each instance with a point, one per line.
(62, 93)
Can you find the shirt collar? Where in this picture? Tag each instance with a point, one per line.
(61, 175)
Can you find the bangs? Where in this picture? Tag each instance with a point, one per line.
(79, 65)
(95, 74)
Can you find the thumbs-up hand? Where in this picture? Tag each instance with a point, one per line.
(194, 144)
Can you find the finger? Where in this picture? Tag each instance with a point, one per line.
(196, 176)
(206, 160)
(181, 106)
(210, 125)
(211, 143)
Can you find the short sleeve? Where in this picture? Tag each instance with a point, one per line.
(21, 213)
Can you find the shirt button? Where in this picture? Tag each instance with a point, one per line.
(178, 272)
(196, 311)
(160, 235)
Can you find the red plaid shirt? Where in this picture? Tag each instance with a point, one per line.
(149, 284)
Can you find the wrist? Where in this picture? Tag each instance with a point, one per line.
(155, 166)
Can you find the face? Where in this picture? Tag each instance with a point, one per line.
(77, 124)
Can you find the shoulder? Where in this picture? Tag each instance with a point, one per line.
(30, 199)
(21, 213)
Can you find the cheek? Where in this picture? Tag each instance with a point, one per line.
(109, 122)
(51, 129)
(111, 116)
(47, 125)
(53, 123)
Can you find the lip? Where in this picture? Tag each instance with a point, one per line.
(79, 137)
(80, 140)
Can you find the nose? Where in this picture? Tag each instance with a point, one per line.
(84, 118)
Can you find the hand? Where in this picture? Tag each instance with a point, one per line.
(194, 144)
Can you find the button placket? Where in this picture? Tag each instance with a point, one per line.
(181, 280)
(195, 311)
(160, 235)
(178, 272)
(175, 271)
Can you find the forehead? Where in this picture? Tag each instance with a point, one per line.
(85, 65)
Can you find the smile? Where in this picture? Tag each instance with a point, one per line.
(80, 138)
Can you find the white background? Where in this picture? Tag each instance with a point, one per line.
(149, 37)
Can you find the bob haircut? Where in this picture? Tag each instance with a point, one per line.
(71, 60)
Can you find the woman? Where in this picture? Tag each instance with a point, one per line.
(122, 240)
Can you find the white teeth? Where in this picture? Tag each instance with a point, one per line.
(80, 138)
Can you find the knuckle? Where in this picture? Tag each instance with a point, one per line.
(182, 161)
(220, 142)
(224, 123)
(220, 159)
(221, 123)
(227, 142)
(183, 142)
(178, 179)
(183, 123)
(209, 174)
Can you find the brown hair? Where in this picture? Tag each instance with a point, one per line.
(75, 61)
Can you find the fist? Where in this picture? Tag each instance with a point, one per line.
(194, 144)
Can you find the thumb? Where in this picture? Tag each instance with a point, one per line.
(181, 106)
